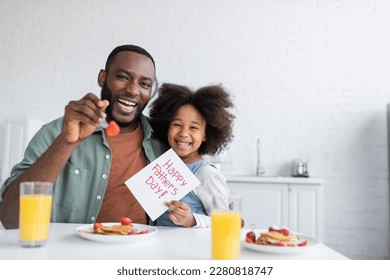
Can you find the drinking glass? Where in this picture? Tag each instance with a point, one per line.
(34, 213)
(225, 231)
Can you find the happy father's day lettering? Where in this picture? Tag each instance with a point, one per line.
(166, 178)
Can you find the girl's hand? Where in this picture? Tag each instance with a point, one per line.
(181, 213)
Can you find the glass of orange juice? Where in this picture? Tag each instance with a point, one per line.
(225, 231)
(34, 213)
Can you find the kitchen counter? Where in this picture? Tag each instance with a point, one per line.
(295, 202)
(275, 179)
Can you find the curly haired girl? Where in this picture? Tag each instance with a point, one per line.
(193, 124)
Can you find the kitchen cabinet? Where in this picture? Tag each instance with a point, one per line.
(296, 203)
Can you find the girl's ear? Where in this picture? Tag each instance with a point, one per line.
(102, 77)
(204, 139)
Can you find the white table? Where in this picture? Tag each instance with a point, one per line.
(168, 244)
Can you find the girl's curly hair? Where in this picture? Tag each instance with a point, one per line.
(212, 102)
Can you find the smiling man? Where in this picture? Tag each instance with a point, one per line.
(88, 167)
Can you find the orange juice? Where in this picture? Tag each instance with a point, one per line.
(34, 217)
(226, 228)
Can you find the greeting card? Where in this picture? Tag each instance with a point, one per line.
(166, 178)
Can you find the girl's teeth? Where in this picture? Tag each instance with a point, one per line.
(183, 144)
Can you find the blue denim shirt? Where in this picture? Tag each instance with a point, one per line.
(190, 199)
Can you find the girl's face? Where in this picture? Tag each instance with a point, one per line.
(186, 132)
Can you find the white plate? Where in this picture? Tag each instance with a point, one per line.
(311, 242)
(116, 238)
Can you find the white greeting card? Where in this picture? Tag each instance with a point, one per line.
(166, 178)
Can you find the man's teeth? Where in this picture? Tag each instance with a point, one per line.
(126, 105)
(129, 103)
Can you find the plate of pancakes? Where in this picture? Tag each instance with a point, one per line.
(276, 242)
(116, 233)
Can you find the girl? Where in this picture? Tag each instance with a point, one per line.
(194, 124)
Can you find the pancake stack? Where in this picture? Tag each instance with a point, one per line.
(276, 238)
(115, 230)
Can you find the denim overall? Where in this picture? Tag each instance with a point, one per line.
(190, 199)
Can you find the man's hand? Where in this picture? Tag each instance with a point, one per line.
(82, 117)
(181, 213)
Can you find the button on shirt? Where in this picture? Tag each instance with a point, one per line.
(79, 188)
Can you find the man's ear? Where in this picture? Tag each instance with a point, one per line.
(102, 77)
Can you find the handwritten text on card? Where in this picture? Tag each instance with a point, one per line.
(166, 178)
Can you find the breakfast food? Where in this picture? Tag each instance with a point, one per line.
(275, 237)
(112, 129)
(114, 230)
(124, 228)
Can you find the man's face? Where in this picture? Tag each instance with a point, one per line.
(128, 87)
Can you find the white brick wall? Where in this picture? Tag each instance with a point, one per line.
(309, 78)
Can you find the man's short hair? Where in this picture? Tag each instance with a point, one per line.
(130, 48)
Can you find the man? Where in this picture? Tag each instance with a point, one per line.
(88, 167)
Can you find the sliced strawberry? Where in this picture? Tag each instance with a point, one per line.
(273, 228)
(112, 129)
(143, 231)
(251, 235)
(285, 232)
(132, 232)
(97, 225)
(248, 240)
(126, 221)
(304, 243)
